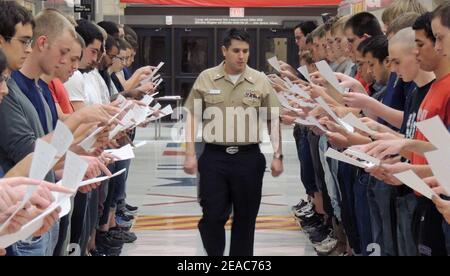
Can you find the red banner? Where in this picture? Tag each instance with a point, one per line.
(234, 3)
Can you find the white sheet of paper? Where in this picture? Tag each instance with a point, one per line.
(28, 229)
(74, 170)
(284, 102)
(334, 154)
(100, 179)
(439, 162)
(326, 71)
(163, 112)
(125, 123)
(333, 115)
(297, 90)
(43, 156)
(304, 71)
(156, 107)
(140, 114)
(361, 155)
(273, 61)
(158, 83)
(89, 141)
(122, 100)
(316, 123)
(410, 179)
(303, 122)
(300, 102)
(150, 77)
(62, 139)
(354, 121)
(147, 100)
(288, 81)
(156, 77)
(436, 132)
(124, 153)
(140, 144)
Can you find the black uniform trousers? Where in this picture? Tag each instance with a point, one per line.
(230, 182)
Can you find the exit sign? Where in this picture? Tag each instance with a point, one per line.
(237, 12)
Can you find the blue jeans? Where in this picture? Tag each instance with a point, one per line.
(405, 206)
(121, 183)
(304, 156)
(346, 174)
(381, 198)
(330, 169)
(363, 219)
(33, 246)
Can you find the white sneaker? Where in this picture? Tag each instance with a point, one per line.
(326, 246)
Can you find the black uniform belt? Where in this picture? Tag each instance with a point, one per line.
(232, 149)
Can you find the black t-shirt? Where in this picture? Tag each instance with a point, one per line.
(412, 108)
(412, 105)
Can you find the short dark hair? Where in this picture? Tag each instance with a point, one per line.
(306, 27)
(88, 31)
(443, 12)
(236, 34)
(110, 43)
(12, 14)
(3, 61)
(362, 46)
(378, 46)
(110, 27)
(423, 23)
(364, 23)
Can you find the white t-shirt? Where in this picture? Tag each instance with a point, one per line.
(101, 87)
(234, 78)
(75, 87)
(92, 89)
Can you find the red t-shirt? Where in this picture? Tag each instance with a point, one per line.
(61, 96)
(363, 82)
(437, 102)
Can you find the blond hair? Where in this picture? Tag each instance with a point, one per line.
(404, 21)
(339, 25)
(406, 37)
(52, 23)
(399, 7)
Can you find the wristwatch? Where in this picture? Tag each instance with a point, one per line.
(278, 156)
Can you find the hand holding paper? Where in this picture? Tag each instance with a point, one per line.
(410, 179)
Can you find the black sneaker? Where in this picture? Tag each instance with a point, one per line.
(320, 234)
(119, 234)
(130, 208)
(96, 253)
(109, 250)
(311, 224)
(105, 240)
(300, 205)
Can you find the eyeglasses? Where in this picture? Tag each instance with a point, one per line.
(122, 59)
(26, 42)
(4, 78)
